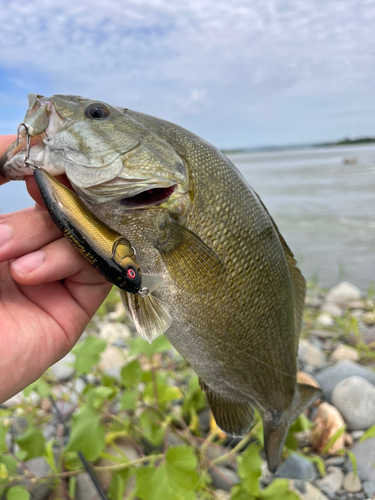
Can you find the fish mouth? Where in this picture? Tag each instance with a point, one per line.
(149, 197)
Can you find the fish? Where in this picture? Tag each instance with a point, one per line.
(231, 285)
(106, 250)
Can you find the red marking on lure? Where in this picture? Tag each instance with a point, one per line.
(131, 274)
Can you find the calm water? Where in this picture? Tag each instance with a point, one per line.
(324, 208)
(323, 201)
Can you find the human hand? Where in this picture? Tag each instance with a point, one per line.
(48, 293)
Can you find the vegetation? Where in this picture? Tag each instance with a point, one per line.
(152, 408)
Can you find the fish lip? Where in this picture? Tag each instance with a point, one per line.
(12, 162)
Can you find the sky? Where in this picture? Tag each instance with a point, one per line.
(243, 73)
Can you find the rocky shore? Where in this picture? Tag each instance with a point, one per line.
(144, 403)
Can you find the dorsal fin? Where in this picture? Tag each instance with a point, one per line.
(298, 281)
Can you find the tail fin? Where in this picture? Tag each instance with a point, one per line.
(275, 432)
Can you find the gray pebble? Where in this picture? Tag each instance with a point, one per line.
(331, 483)
(331, 376)
(63, 370)
(357, 434)
(368, 488)
(310, 355)
(335, 461)
(223, 478)
(352, 483)
(365, 455)
(297, 467)
(39, 467)
(354, 397)
(306, 491)
(343, 293)
(85, 488)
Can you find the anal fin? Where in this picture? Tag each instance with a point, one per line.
(233, 417)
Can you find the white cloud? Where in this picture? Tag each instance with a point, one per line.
(280, 59)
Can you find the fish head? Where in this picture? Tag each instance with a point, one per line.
(106, 154)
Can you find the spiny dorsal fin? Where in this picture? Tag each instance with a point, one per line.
(150, 317)
(190, 261)
(298, 281)
(233, 417)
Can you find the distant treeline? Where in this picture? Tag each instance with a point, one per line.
(344, 142)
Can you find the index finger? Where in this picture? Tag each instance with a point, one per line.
(5, 141)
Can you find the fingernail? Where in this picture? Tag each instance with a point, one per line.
(28, 263)
(5, 234)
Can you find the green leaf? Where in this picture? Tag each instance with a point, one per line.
(249, 469)
(181, 463)
(118, 485)
(128, 400)
(140, 346)
(153, 483)
(87, 434)
(10, 463)
(87, 353)
(353, 460)
(165, 392)
(334, 438)
(3, 433)
(279, 489)
(152, 428)
(96, 397)
(318, 461)
(238, 493)
(131, 374)
(369, 433)
(40, 386)
(17, 493)
(32, 441)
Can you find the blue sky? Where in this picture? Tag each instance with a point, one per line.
(243, 73)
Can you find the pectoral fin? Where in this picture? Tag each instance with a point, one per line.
(150, 317)
(189, 260)
(233, 417)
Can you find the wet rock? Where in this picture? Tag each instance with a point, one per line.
(357, 434)
(365, 454)
(63, 369)
(306, 491)
(331, 376)
(214, 451)
(204, 420)
(326, 423)
(114, 331)
(335, 461)
(310, 355)
(354, 397)
(344, 352)
(352, 483)
(343, 293)
(221, 495)
(368, 488)
(325, 319)
(112, 360)
(85, 488)
(323, 334)
(331, 483)
(223, 478)
(40, 468)
(297, 467)
(331, 308)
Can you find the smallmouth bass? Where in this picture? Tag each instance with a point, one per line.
(231, 286)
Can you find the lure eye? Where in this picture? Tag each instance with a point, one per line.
(97, 111)
(131, 273)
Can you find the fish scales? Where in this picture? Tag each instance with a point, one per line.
(231, 285)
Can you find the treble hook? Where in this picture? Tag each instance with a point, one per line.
(27, 162)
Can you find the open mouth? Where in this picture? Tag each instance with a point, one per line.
(155, 196)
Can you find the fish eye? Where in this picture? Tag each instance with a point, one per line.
(97, 111)
(131, 273)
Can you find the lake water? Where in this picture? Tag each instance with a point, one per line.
(323, 201)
